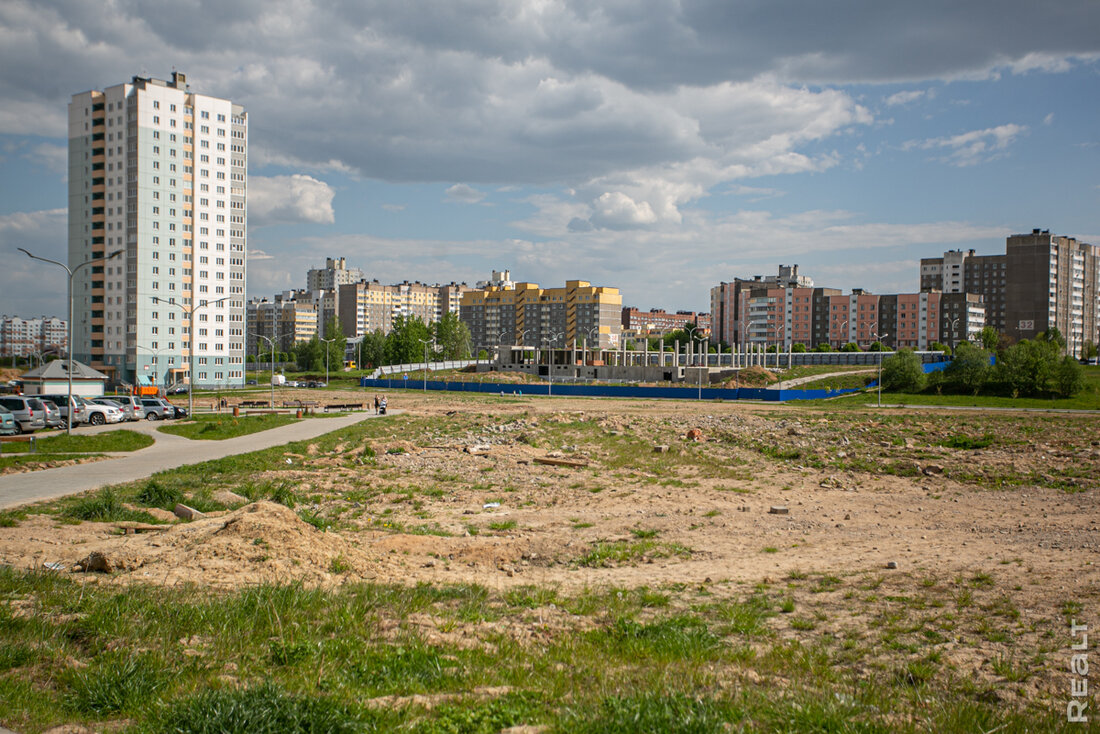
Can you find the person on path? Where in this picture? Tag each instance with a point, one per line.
(382, 407)
(376, 405)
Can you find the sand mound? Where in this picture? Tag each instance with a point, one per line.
(262, 542)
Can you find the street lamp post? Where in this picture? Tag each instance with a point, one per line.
(156, 360)
(327, 350)
(191, 346)
(425, 342)
(271, 341)
(879, 338)
(71, 273)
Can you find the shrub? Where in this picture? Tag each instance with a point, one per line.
(902, 372)
(1026, 367)
(970, 369)
(1069, 377)
(156, 495)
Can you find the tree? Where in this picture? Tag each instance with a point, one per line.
(989, 338)
(452, 337)
(337, 348)
(877, 347)
(902, 372)
(1069, 377)
(938, 347)
(798, 348)
(850, 347)
(250, 359)
(372, 349)
(970, 369)
(1026, 367)
(1088, 350)
(1053, 336)
(824, 347)
(403, 343)
(309, 355)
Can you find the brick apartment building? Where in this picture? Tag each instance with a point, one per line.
(1042, 280)
(656, 322)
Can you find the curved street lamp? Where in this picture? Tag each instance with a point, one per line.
(327, 350)
(191, 345)
(271, 341)
(71, 273)
(425, 342)
(880, 337)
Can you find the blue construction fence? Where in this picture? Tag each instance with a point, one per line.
(609, 391)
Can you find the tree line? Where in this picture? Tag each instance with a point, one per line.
(1031, 367)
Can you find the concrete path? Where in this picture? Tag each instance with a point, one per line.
(168, 452)
(814, 378)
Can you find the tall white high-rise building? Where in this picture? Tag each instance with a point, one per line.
(160, 173)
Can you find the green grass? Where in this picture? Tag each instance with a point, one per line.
(44, 459)
(117, 440)
(289, 658)
(220, 427)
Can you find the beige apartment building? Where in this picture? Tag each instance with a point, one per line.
(287, 319)
(367, 306)
(523, 314)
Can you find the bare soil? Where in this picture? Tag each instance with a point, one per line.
(658, 494)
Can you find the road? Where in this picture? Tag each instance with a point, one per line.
(168, 452)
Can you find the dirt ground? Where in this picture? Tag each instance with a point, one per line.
(653, 494)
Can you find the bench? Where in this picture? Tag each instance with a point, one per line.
(252, 403)
(345, 406)
(21, 439)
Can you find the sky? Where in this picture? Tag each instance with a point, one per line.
(656, 146)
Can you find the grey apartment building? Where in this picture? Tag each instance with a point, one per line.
(1042, 281)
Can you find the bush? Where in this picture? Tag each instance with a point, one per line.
(970, 369)
(1026, 367)
(1069, 377)
(850, 347)
(902, 372)
(798, 347)
(156, 495)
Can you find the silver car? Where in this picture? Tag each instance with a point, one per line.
(53, 414)
(29, 413)
(80, 414)
(125, 406)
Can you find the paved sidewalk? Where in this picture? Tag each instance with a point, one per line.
(168, 452)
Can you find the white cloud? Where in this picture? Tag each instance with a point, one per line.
(464, 194)
(394, 207)
(904, 98)
(289, 200)
(976, 146)
(616, 210)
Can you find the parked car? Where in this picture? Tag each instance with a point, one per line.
(251, 382)
(177, 390)
(53, 414)
(155, 409)
(134, 403)
(126, 408)
(79, 414)
(29, 413)
(7, 424)
(98, 413)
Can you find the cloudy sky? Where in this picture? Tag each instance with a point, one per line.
(659, 146)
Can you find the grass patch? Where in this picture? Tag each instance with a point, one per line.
(105, 506)
(220, 427)
(609, 553)
(118, 440)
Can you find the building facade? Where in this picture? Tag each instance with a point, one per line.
(523, 314)
(656, 322)
(21, 337)
(726, 318)
(287, 319)
(158, 173)
(335, 274)
(1041, 281)
(367, 306)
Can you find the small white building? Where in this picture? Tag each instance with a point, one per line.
(53, 378)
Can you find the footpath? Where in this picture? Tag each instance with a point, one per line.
(168, 452)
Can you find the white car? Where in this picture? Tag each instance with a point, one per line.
(98, 414)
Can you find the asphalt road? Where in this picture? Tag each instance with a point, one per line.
(168, 452)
